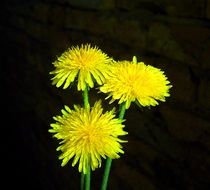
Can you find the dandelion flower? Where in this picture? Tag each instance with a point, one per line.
(131, 81)
(87, 134)
(86, 62)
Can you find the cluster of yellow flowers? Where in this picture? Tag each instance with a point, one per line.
(86, 133)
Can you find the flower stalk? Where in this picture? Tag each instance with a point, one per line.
(86, 98)
(109, 160)
(86, 177)
(82, 181)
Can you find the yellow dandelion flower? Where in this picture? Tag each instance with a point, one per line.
(86, 62)
(87, 134)
(130, 81)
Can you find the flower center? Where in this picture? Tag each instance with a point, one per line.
(90, 135)
(84, 62)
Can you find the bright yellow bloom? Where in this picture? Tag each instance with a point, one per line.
(87, 135)
(86, 62)
(130, 81)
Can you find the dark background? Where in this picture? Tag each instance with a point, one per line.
(168, 146)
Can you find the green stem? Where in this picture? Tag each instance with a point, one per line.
(122, 111)
(85, 98)
(87, 179)
(82, 181)
(109, 160)
(106, 173)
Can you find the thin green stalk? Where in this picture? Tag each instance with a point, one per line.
(85, 178)
(109, 160)
(86, 98)
(106, 173)
(122, 111)
(82, 181)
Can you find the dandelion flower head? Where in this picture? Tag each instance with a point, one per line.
(88, 63)
(87, 135)
(131, 81)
